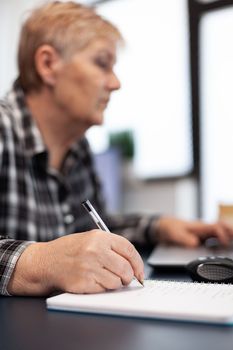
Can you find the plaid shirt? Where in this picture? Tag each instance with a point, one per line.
(38, 203)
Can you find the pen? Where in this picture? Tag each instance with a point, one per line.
(98, 221)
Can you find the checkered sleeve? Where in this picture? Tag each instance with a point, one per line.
(10, 251)
(139, 229)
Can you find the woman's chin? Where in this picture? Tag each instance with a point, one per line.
(98, 120)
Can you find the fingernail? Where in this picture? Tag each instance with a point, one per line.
(141, 279)
(142, 282)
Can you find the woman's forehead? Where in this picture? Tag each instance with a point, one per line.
(100, 46)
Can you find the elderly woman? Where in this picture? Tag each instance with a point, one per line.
(66, 58)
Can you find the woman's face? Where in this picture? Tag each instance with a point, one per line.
(83, 84)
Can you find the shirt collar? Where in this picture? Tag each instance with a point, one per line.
(24, 124)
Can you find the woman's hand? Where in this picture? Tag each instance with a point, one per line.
(191, 233)
(89, 262)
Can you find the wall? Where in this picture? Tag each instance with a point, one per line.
(12, 14)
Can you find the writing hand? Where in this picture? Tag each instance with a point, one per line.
(89, 262)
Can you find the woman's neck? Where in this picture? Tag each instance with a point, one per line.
(57, 130)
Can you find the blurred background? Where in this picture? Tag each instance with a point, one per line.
(167, 143)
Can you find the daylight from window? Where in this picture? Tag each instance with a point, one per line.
(154, 101)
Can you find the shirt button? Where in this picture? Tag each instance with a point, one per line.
(68, 219)
(65, 208)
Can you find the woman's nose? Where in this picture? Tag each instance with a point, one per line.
(114, 82)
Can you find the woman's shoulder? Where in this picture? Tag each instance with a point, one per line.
(7, 133)
(5, 115)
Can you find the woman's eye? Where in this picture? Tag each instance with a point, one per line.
(103, 64)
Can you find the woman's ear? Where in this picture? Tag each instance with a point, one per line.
(47, 60)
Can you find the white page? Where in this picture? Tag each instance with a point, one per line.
(157, 299)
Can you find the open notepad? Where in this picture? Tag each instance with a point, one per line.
(212, 303)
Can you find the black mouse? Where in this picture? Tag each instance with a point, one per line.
(215, 269)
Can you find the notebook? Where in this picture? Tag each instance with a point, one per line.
(183, 301)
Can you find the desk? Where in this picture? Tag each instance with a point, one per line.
(25, 324)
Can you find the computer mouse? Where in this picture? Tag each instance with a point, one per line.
(215, 269)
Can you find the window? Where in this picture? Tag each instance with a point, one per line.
(216, 90)
(154, 101)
